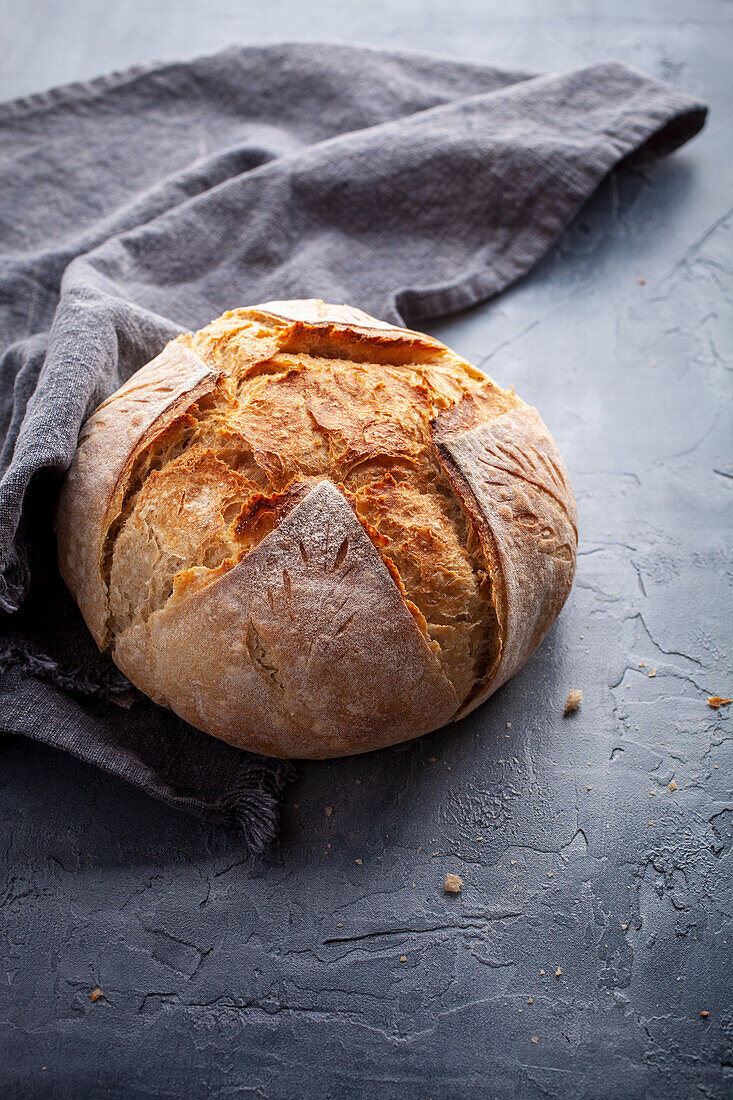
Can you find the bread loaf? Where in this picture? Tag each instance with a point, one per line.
(311, 534)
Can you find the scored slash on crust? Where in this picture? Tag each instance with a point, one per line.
(319, 651)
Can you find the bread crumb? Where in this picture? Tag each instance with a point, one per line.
(512, 861)
(432, 759)
(642, 664)
(535, 1039)
(652, 673)
(357, 862)
(573, 701)
(403, 958)
(542, 973)
(453, 884)
(624, 927)
(558, 973)
(672, 786)
(530, 1000)
(589, 788)
(704, 1014)
(716, 701)
(550, 874)
(329, 811)
(125, 699)
(508, 725)
(95, 995)
(642, 282)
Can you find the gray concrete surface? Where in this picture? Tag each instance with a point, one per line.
(336, 966)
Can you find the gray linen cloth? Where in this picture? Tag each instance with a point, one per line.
(147, 202)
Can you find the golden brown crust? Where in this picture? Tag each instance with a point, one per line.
(109, 443)
(355, 405)
(197, 525)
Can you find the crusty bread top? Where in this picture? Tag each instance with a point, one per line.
(303, 400)
(238, 419)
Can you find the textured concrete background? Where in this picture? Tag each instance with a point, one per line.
(336, 967)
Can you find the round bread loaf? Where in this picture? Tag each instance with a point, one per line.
(311, 534)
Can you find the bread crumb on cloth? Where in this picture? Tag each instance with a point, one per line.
(716, 701)
(704, 1014)
(672, 786)
(95, 995)
(573, 701)
(558, 973)
(329, 811)
(124, 700)
(358, 862)
(453, 884)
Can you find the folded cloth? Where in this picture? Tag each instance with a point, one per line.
(147, 202)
